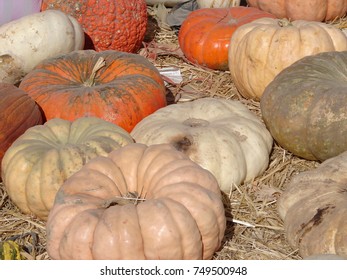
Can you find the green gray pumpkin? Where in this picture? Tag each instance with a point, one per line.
(304, 107)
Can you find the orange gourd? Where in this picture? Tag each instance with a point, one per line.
(204, 36)
(108, 24)
(118, 87)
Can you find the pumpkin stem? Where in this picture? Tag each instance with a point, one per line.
(284, 22)
(131, 197)
(98, 65)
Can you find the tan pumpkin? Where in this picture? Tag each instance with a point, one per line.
(315, 10)
(314, 209)
(259, 50)
(221, 135)
(42, 158)
(139, 202)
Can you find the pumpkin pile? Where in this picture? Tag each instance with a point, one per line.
(90, 146)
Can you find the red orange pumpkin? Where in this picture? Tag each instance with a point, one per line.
(108, 24)
(205, 34)
(118, 87)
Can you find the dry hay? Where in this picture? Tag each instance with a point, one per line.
(254, 229)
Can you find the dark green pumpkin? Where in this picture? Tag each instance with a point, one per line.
(305, 106)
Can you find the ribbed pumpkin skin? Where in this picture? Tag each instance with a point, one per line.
(222, 136)
(304, 107)
(313, 207)
(18, 112)
(254, 56)
(179, 214)
(204, 36)
(41, 159)
(315, 10)
(110, 24)
(125, 90)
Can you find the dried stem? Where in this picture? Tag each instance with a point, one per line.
(98, 65)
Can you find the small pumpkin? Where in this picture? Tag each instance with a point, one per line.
(217, 3)
(221, 135)
(139, 202)
(204, 36)
(30, 39)
(42, 158)
(312, 10)
(118, 87)
(18, 112)
(259, 50)
(108, 24)
(314, 209)
(304, 107)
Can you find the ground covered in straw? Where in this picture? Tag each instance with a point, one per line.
(254, 229)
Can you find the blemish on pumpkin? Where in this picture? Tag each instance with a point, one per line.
(182, 144)
(315, 221)
(193, 122)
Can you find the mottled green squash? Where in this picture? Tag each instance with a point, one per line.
(304, 107)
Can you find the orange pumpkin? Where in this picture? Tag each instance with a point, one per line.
(108, 24)
(315, 10)
(118, 87)
(18, 112)
(205, 34)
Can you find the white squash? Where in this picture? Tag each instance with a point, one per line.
(30, 39)
(218, 3)
(222, 136)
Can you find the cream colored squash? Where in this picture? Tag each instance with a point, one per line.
(30, 39)
(221, 135)
(41, 159)
(218, 3)
(259, 50)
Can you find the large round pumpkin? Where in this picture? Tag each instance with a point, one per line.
(116, 86)
(314, 209)
(221, 135)
(18, 112)
(261, 49)
(304, 107)
(205, 34)
(108, 24)
(42, 158)
(139, 202)
(315, 10)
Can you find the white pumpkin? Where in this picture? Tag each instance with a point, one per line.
(222, 136)
(218, 3)
(30, 39)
